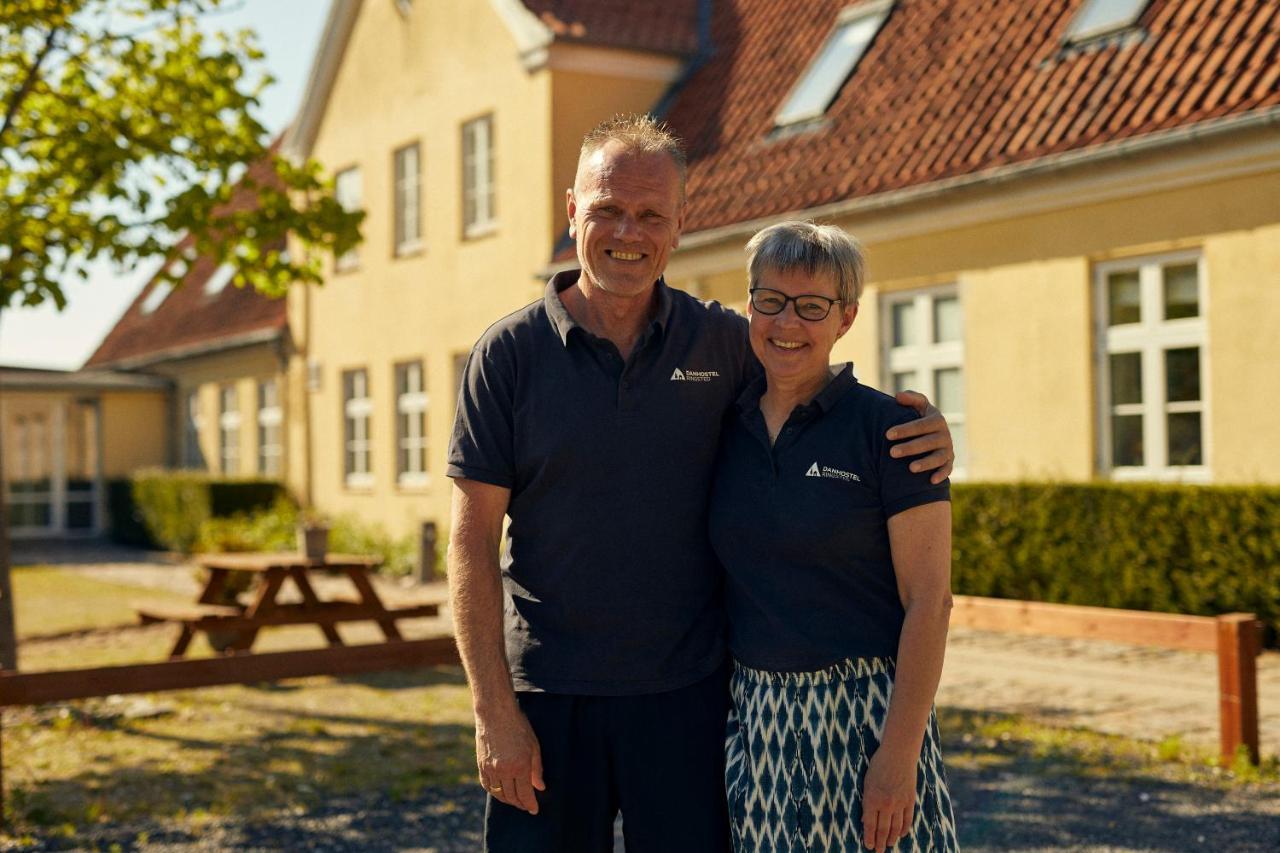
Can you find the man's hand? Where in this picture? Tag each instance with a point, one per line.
(930, 434)
(509, 759)
(888, 799)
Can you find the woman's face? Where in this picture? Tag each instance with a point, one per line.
(789, 347)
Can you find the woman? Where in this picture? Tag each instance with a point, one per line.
(838, 579)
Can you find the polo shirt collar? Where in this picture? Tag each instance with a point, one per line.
(563, 323)
(825, 400)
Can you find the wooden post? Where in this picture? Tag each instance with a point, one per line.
(1238, 644)
(3, 820)
(427, 552)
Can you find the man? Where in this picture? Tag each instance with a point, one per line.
(591, 418)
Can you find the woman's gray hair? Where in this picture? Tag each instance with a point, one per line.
(813, 249)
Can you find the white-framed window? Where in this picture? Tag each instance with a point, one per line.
(1151, 372)
(479, 212)
(411, 424)
(193, 422)
(357, 408)
(1102, 17)
(923, 343)
(855, 29)
(408, 199)
(349, 192)
(228, 430)
(159, 293)
(270, 430)
(219, 279)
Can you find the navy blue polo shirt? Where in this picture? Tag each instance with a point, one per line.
(611, 586)
(801, 528)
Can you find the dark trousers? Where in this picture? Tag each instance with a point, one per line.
(659, 759)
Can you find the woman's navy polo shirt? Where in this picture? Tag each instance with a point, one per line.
(802, 528)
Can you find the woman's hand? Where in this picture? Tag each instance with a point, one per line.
(888, 799)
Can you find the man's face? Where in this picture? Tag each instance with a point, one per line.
(626, 214)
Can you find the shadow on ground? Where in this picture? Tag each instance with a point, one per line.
(1009, 796)
(360, 794)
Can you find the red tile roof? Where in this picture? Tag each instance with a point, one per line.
(948, 89)
(665, 26)
(189, 318)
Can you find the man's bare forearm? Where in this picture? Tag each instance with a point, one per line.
(475, 593)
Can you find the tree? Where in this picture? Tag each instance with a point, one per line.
(124, 126)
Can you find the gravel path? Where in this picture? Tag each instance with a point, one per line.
(1003, 801)
(1018, 806)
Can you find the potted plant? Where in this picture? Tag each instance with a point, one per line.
(313, 534)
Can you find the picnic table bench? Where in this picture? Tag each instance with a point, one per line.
(232, 626)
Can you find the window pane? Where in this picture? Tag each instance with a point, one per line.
(1184, 438)
(1126, 440)
(1182, 374)
(79, 515)
(905, 381)
(904, 324)
(946, 320)
(1126, 378)
(1123, 298)
(829, 71)
(948, 387)
(1181, 292)
(1099, 16)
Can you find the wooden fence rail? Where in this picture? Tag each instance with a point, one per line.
(1235, 637)
(32, 688)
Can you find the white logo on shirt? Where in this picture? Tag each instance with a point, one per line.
(828, 473)
(694, 375)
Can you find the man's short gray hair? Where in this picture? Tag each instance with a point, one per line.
(813, 249)
(640, 133)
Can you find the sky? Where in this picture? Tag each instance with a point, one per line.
(288, 32)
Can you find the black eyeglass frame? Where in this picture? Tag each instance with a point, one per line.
(831, 303)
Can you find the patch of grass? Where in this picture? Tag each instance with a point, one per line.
(242, 751)
(49, 600)
(986, 740)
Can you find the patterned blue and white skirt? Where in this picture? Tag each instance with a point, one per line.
(797, 748)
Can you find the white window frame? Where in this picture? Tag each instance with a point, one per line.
(874, 13)
(357, 438)
(270, 420)
(479, 189)
(926, 356)
(411, 412)
(348, 189)
(155, 298)
(1151, 337)
(219, 279)
(228, 430)
(407, 199)
(1079, 32)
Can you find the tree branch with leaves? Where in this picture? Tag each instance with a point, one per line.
(127, 127)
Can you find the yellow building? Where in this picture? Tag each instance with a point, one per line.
(57, 427)
(456, 127)
(1072, 217)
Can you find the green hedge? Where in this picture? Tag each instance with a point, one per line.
(174, 504)
(1183, 549)
(275, 529)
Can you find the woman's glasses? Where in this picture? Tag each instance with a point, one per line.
(809, 306)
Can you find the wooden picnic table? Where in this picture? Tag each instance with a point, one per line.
(233, 625)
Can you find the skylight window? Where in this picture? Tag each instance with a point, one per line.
(1102, 17)
(855, 29)
(220, 279)
(159, 293)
